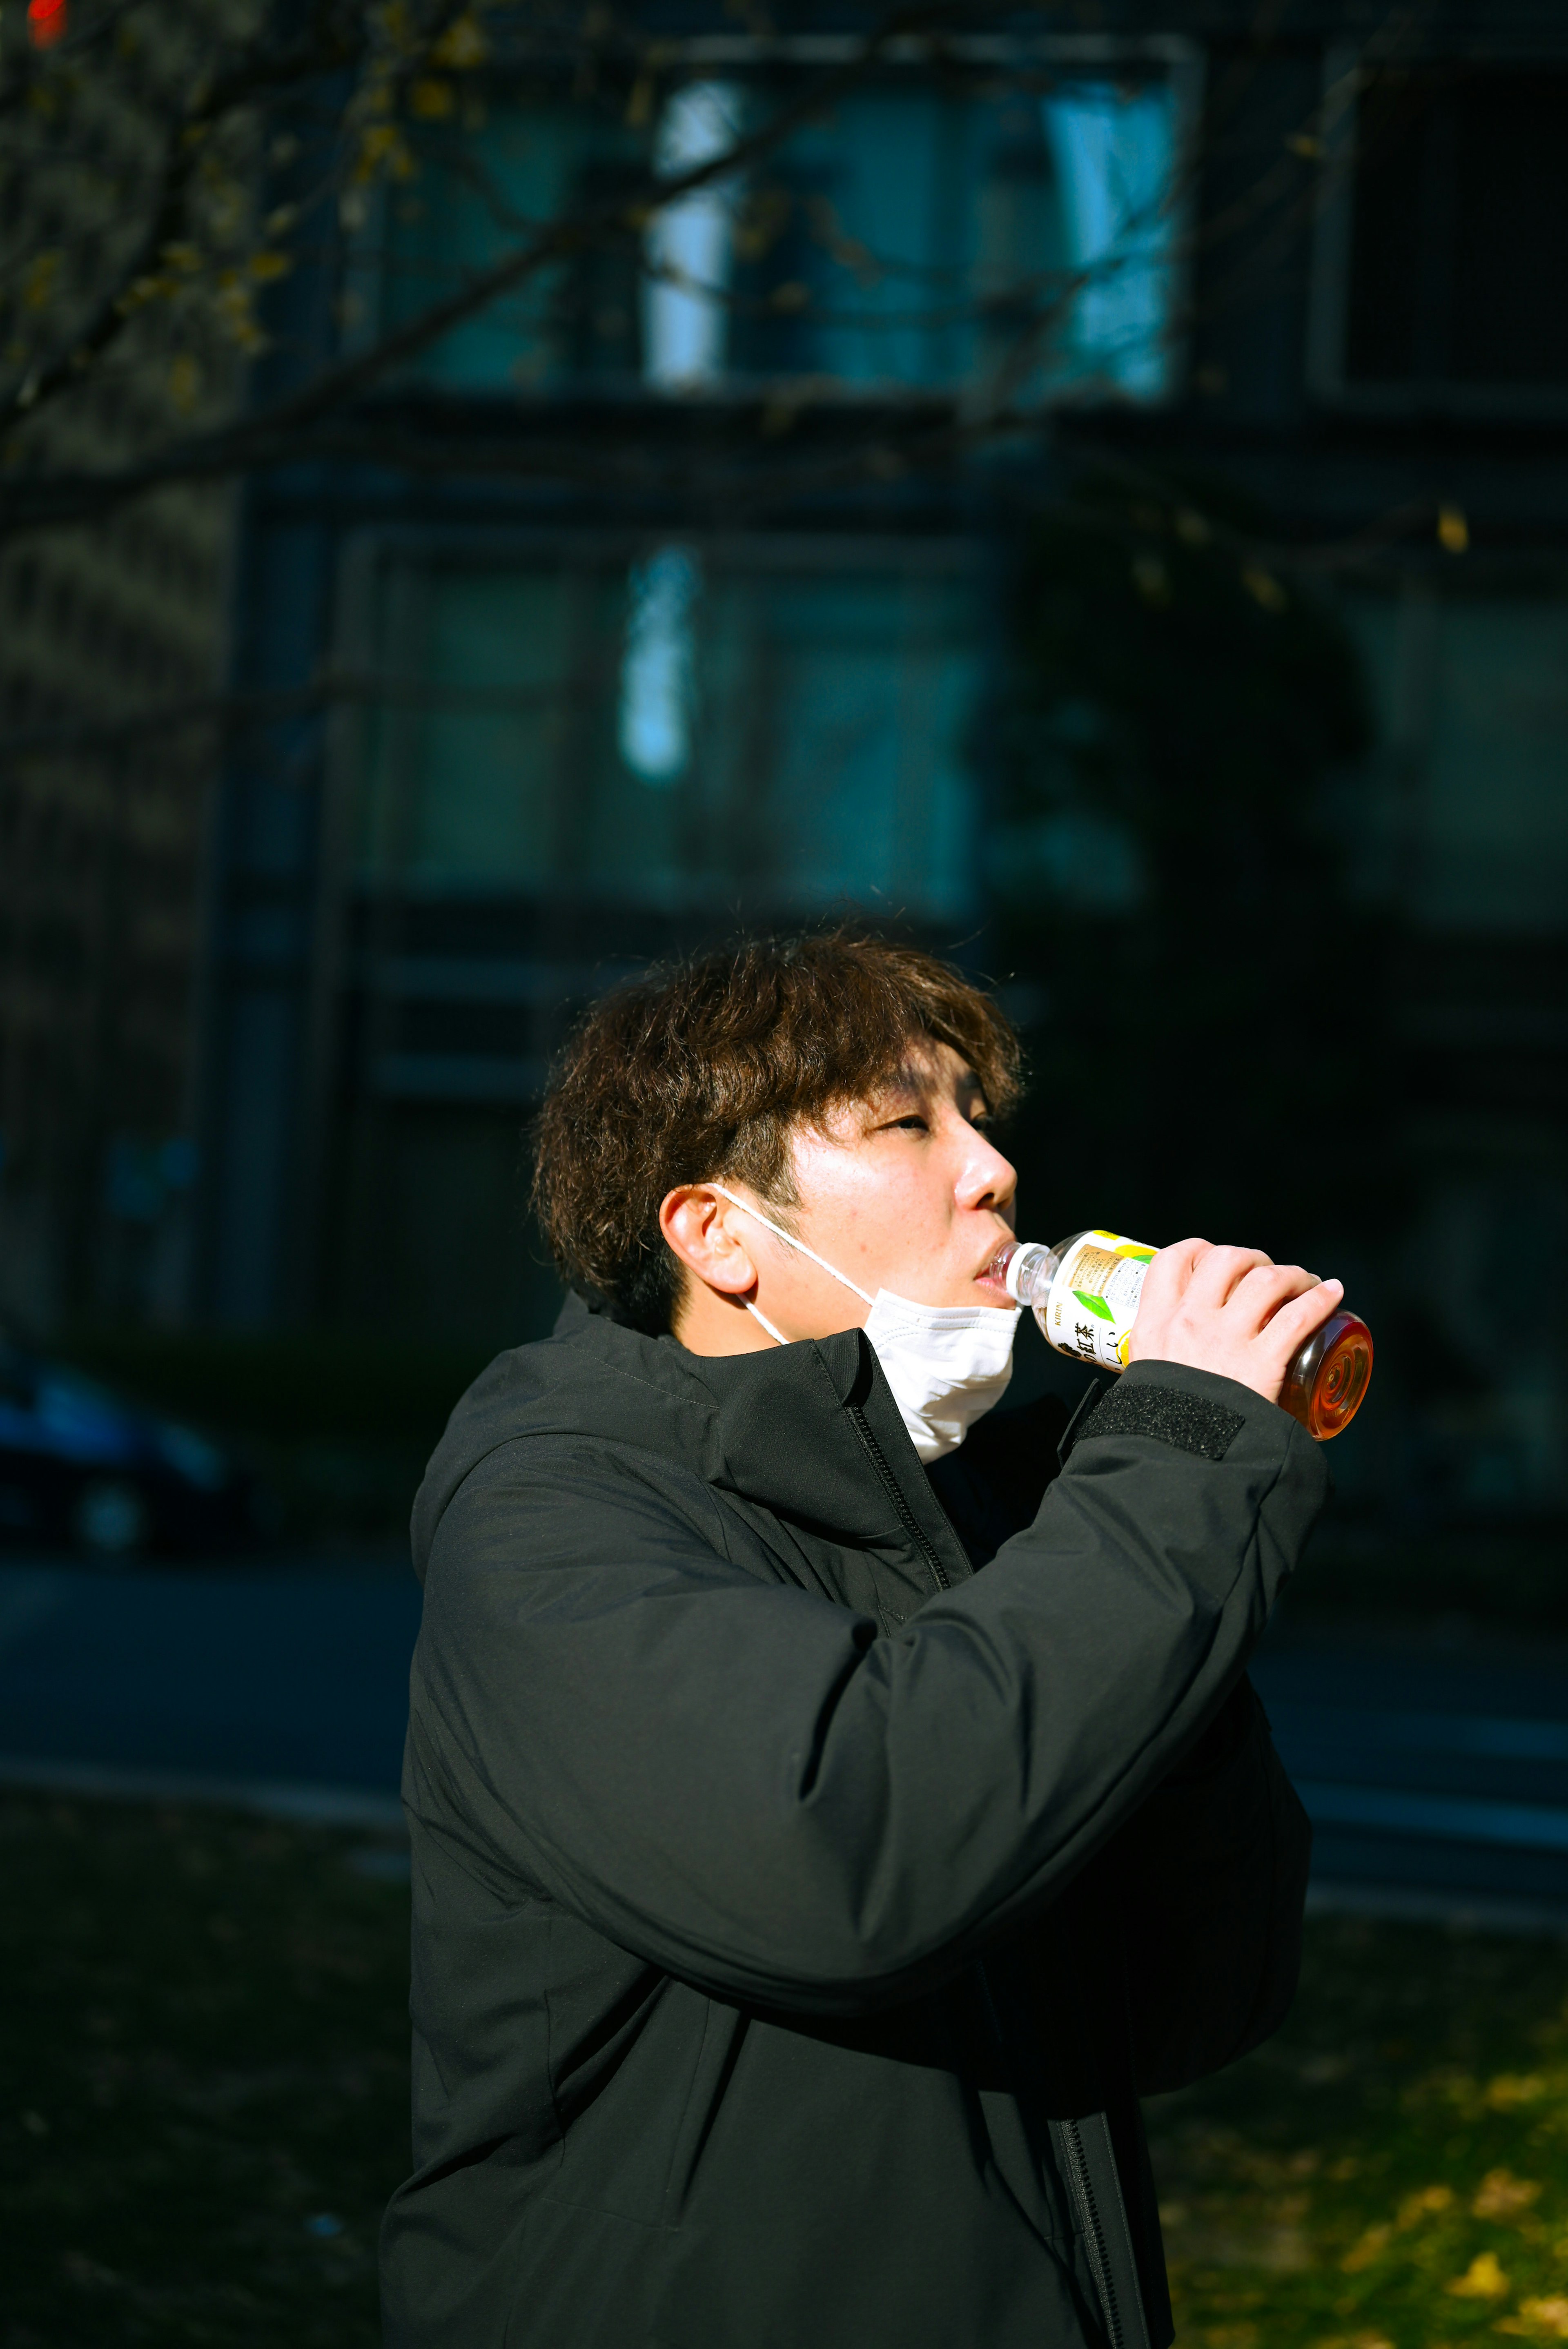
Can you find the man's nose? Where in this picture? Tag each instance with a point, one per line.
(987, 1180)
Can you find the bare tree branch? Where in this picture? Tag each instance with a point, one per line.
(335, 37)
(32, 502)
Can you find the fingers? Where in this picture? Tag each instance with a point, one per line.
(1170, 1274)
(1221, 1272)
(1259, 1295)
(1295, 1322)
(1230, 1310)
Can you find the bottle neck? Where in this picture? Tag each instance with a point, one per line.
(1026, 1270)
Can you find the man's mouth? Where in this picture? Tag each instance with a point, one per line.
(990, 1275)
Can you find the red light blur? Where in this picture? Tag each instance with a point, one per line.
(46, 21)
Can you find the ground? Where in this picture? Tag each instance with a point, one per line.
(205, 2098)
(204, 2106)
(1392, 2171)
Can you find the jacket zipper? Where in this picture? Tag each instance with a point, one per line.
(1070, 2137)
(906, 1516)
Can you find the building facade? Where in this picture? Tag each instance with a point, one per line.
(102, 818)
(723, 629)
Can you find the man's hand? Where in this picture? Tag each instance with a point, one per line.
(1231, 1310)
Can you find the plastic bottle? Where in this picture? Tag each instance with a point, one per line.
(1084, 1293)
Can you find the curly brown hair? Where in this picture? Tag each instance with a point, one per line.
(700, 1071)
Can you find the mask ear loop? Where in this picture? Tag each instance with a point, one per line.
(790, 1241)
(758, 1315)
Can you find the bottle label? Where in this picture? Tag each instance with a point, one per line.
(1093, 1299)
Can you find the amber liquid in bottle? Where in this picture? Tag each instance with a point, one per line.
(1084, 1293)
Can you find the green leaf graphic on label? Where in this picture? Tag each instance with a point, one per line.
(1138, 1256)
(1094, 1304)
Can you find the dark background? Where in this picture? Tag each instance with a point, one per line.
(1210, 701)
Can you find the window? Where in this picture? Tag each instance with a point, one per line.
(784, 726)
(477, 192)
(1443, 251)
(1467, 826)
(1016, 220)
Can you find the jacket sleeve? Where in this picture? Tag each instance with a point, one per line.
(749, 1787)
(1210, 1881)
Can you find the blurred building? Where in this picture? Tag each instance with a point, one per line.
(723, 637)
(102, 822)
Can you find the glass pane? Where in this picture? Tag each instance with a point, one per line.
(855, 246)
(912, 237)
(466, 790)
(690, 244)
(670, 732)
(477, 194)
(869, 794)
(1496, 850)
(1461, 220)
(1465, 818)
(915, 236)
(1510, 231)
(1115, 150)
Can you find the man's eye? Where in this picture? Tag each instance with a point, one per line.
(911, 1124)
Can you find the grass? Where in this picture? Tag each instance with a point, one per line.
(204, 2106)
(1390, 2172)
(205, 2097)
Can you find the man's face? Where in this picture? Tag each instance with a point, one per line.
(903, 1192)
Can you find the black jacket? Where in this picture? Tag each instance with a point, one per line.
(798, 1912)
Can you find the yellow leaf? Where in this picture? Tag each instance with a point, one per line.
(1504, 2196)
(1548, 2316)
(1453, 529)
(232, 303)
(1513, 2088)
(184, 383)
(1151, 579)
(383, 148)
(462, 44)
(1426, 2204)
(430, 99)
(39, 281)
(1362, 2254)
(265, 265)
(1264, 588)
(1482, 2279)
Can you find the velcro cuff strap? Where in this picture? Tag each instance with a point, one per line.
(1190, 1422)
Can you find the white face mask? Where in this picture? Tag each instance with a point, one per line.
(946, 1364)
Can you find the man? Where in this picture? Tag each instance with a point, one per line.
(817, 1852)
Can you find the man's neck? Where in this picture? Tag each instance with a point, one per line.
(706, 1323)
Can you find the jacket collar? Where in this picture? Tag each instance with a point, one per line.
(809, 1430)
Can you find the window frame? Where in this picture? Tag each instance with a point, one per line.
(420, 549)
(1344, 72)
(1182, 59)
(339, 1072)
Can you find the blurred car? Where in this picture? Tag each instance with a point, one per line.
(80, 1466)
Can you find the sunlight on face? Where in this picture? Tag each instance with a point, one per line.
(906, 1191)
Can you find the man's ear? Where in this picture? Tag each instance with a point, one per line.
(698, 1224)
